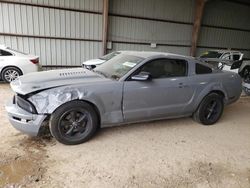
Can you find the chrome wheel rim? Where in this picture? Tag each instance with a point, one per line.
(10, 75)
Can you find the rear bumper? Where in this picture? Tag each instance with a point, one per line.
(24, 121)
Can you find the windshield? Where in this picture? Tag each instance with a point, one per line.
(109, 56)
(118, 66)
(211, 54)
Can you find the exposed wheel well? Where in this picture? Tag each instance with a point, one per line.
(219, 93)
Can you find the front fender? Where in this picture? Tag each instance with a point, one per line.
(106, 98)
(47, 101)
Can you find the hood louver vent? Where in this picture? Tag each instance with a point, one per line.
(71, 73)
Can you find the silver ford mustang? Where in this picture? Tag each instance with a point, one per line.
(131, 87)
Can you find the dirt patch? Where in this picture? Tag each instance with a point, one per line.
(15, 171)
(199, 174)
(216, 175)
(176, 153)
(19, 170)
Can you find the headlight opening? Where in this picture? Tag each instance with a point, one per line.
(25, 104)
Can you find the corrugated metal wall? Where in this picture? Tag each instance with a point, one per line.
(64, 35)
(181, 10)
(67, 32)
(136, 24)
(224, 25)
(231, 26)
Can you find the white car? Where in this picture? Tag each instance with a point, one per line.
(230, 61)
(227, 55)
(91, 64)
(14, 63)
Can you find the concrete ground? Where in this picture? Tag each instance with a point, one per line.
(172, 153)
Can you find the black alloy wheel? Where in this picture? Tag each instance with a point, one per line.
(210, 109)
(74, 122)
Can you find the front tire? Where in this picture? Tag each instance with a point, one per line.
(10, 74)
(210, 109)
(73, 123)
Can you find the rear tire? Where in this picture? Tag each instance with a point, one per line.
(210, 109)
(73, 123)
(9, 74)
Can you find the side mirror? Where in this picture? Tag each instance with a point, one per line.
(90, 67)
(143, 76)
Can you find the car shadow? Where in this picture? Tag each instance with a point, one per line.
(3, 82)
(159, 125)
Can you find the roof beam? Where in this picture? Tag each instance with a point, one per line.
(199, 8)
(105, 26)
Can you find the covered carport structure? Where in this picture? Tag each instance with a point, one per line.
(66, 32)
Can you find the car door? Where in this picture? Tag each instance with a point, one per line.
(166, 94)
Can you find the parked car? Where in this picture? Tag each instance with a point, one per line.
(131, 87)
(233, 61)
(14, 63)
(229, 56)
(93, 63)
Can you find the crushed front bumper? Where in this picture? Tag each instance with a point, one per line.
(24, 121)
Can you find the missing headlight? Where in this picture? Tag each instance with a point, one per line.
(26, 105)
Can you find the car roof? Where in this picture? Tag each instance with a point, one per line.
(147, 54)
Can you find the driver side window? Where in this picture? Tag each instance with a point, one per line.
(166, 68)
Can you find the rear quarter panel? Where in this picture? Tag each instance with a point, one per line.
(22, 62)
(226, 82)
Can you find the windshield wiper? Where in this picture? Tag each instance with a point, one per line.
(116, 77)
(101, 73)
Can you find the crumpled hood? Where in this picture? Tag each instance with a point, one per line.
(49, 79)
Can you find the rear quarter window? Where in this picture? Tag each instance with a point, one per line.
(202, 69)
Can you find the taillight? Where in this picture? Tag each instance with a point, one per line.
(35, 61)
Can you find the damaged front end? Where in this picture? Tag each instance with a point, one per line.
(28, 113)
(38, 95)
(48, 100)
(23, 116)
